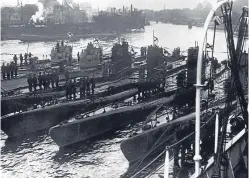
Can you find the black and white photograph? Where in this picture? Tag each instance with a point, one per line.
(124, 89)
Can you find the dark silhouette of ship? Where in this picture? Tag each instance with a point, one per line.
(103, 24)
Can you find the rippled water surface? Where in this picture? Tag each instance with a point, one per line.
(36, 155)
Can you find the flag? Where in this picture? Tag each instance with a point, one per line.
(70, 34)
(96, 40)
(209, 46)
(217, 20)
(155, 39)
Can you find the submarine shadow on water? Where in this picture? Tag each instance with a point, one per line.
(92, 145)
(15, 144)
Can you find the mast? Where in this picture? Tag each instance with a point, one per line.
(197, 157)
(153, 39)
(21, 12)
(235, 80)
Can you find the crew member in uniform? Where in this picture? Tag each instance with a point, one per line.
(70, 89)
(30, 54)
(58, 46)
(16, 69)
(21, 59)
(67, 89)
(26, 58)
(82, 88)
(12, 69)
(52, 77)
(57, 79)
(40, 80)
(34, 81)
(67, 75)
(93, 85)
(3, 70)
(87, 86)
(74, 88)
(8, 71)
(142, 51)
(15, 59)
(70, 59)
(29, 80)
(78, 56)
(44, 80)
(48, 80)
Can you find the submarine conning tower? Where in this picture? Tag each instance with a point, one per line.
(121, 59)
(155, 61)
(192, 66)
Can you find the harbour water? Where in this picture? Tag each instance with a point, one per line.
(170, 36)
(36, 155)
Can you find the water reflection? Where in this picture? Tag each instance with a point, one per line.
(24, 142)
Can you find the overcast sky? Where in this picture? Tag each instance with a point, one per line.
(140, 4)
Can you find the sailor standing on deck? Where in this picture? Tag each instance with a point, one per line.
(12, 69)
(93, 85)
(16, 69)
(70, 89)
(34, 81)
(82, 88)
(3, 70)
(78, 56)
(48, 80)
(57, 79)
(29, 80)
(67, 75)
(67, 89)
(52, 77)
(44, 80)
(74, 88)
(40, 80)
(30, 54)
(87, 86)
(21, 59)
(8, 71)
(70, 59)
(57, 46)
(15, 59)
(142, 51)
(26, 58)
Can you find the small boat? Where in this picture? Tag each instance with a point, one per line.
(44, 118)
(80, 130)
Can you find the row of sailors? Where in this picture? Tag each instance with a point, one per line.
(26, 55)
(87, 86)
(9, 71)
(43, 81)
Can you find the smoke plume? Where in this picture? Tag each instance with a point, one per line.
(39, 14)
